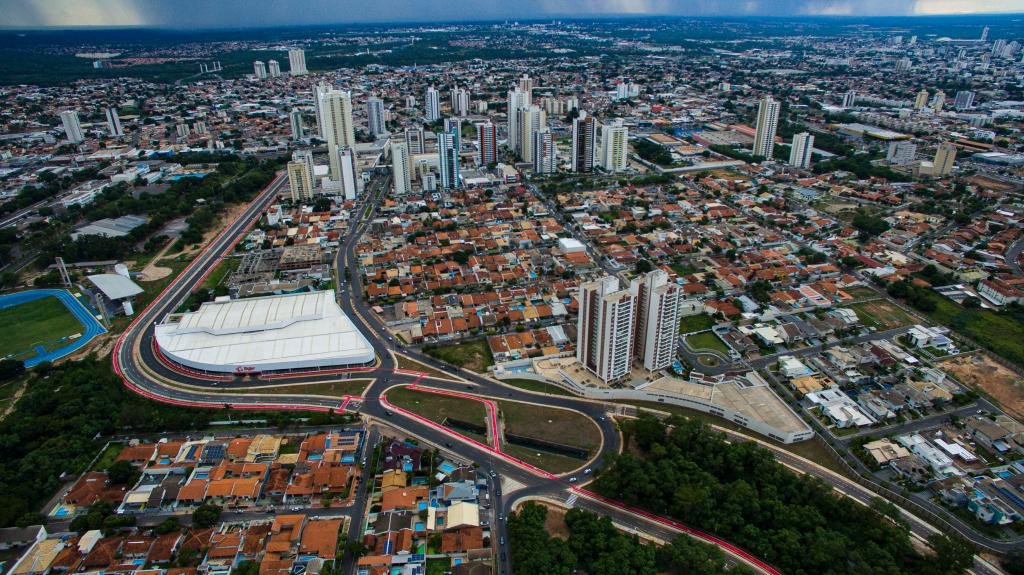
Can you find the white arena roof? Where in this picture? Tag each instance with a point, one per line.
(296, 331)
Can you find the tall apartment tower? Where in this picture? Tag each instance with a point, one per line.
(800, 151)
(945, 158)
(300, 176)
(336, 107)
(984, 34)
(454, 127)
(375, 116)
(921, 101)
(274, 68)
(526, 83)
(901, 152)
(415, 139)
(297, 62)
(531, 120)
(319, 91)
(433, 105)
(659, 304)
(518, 100)
(606, 327)
(614, 146)
(767, 122)
(849, 99)
(259, 69)
(448, 160)
(939, 101)
(72, 128)
(543, 152)
(584, 138)
(964, 100)
(460, 102)
(401, 168)
(295, 119)
(114, 123)
(349, 177)
(488, 143)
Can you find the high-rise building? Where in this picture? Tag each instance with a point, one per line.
(259, 69)
(410, 102)
(297, 62)
(800, 151)
(659, 305)
(526, 83)
(432, 105)
(319, 91)
(295, 118)
(939, 101)
(274, 68)
(114, 129)
(448, 160)
(401, 168)
(921, 100)
(375, 116)
(849, 99)
(997, 48)
(454, 127)
(572, 103)
(183, 130)
(414, 138)
(300, 176)
(584, 138)
(767, 122)
(945, 158)
(984, 34)
(614, 146)
(518, 100)
(964, 100)
(531, 120)
(460, 102)
(606, 327)
(336, 107)
(349, 178)
(199, 127)
(72, 128)
(543, 152)
(903, 64)
(901, 152)
(488, 143)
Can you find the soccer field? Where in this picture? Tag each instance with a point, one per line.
(44, 321)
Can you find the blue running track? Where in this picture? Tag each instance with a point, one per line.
(91, 327)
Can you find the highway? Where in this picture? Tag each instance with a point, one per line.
(144, 371)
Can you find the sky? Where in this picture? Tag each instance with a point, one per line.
(268, 13)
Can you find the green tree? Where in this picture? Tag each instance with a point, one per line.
(206, 515)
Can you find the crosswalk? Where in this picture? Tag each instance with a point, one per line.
(573, 498)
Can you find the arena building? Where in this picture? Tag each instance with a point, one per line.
(271, 333)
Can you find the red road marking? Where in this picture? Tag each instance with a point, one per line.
(489, 405)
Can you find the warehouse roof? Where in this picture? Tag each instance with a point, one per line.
(115, 286)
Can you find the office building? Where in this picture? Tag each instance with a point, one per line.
(340, 133)
(849, 99)
(584, 140)
(460, 102)
(274, 68)
(543, 152)
(614, 147)
(448, 160)
(531, 120)
(300, 176)
(605, 328)
(800, 151)
(939, 101)
(295, 118)
(488, 143)
(518, 100)
(72, 128)
(114, 129)
(297, 62)
(901, 152)
(767, 122)
(964, 100)
(375, 116)
(415, 139)
(922, 100)
(432, 105)
(259, 69)
(401, 168)
(659, 304)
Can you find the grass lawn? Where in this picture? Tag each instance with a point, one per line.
(539, 386)
(882, 314)
(108, 457)
(861, 292)
(551, 424)
(412, 364)
(339, 388)
(221, 271)
(438, 565)
(37, 322)
(707, 340)
(438, 407)
(999, 332)
(473, 355)
(697, 322)
(550, 462)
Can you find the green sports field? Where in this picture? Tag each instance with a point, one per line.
(43, 322)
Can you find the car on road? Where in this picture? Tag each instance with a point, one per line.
(586, 471)
(572, 479)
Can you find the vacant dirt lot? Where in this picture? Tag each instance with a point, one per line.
(979, 371)
(881, 314)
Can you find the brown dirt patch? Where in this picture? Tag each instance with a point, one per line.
(555, 524)
(979, 371)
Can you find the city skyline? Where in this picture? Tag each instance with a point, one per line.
(237, 14)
